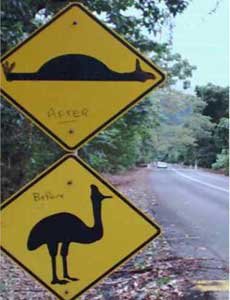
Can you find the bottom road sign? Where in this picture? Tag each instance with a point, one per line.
(69, 228)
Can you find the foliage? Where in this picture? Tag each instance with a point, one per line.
(171, 129)
(221, 139)
(222, 161)
(22, 150)
(213, 146)
(126, 142)
(177, 68)
(18, 16)
(216, 99)
(181, 125)
(26, 149)
(221, 134)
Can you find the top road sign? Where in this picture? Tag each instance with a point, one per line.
(74, 76)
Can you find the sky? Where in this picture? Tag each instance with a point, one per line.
(202, 38)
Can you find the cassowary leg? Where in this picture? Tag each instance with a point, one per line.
(53, 248)
(64, 254)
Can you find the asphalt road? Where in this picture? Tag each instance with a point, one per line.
(193, 212)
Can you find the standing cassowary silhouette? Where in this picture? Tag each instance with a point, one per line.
(66, 228)
(77, 67)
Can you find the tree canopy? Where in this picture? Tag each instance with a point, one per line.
(215, 145)
(27, 148)
(167, 125)
(19, 16)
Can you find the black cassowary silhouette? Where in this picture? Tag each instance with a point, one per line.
(66, 228)
(77, 67)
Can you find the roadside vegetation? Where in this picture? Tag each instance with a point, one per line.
(167, 125)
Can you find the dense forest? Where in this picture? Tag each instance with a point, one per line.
(167, 125)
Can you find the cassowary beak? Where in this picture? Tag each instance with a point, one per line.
(97, 194)
(108, 197)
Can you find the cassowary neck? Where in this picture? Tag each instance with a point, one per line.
(98, 228)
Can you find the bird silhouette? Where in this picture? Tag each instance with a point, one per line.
(66, 228)
(77, 67)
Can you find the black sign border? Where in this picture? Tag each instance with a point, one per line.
(114, 117)
(90, 170)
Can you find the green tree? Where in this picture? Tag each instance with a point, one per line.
(22, 150)
(222, 161)
(126, 142)
(20, 18)
(221, 139)
(181, 126)
(216, 99)
(214, 146)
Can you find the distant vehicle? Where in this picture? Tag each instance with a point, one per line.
(161, 164)
(142, 165)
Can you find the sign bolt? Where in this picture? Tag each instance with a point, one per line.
(75, 23)
(70, 182)
(71, 131)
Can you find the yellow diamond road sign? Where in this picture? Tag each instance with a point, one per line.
(74, 76)
(71, 228)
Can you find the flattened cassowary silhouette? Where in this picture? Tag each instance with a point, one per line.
(77, 67)
(66, 228)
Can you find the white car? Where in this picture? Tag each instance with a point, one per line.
(161, 164)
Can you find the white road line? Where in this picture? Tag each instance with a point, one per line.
(212, 285)
(201, 182)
